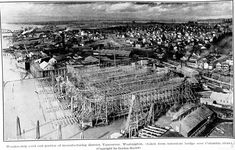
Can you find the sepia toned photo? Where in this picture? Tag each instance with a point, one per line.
(117, 70)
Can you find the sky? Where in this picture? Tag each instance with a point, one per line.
(66, 11)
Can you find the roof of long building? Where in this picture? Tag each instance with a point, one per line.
(188, 123)
(91, 59)
(115, 52)
(183, 109)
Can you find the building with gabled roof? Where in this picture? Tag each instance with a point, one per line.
(195, 122)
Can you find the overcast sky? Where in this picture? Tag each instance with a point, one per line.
(30, 12)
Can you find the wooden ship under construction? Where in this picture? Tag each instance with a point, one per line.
(140, 94)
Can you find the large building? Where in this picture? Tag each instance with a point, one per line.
(194, 122)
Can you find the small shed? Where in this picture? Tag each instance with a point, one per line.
(222, 98)
(46, 66)
(52, 61)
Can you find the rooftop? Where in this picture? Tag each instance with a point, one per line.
(188, 123)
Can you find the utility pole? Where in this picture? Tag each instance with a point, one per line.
(38, 130)
(18, 128)
(106, 108)
(72, 103)
(59, 132)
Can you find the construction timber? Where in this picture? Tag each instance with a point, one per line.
(138, 92)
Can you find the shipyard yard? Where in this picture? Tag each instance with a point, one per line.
(31, 95)
(117, 79)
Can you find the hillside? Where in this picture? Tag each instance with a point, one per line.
(223, 44)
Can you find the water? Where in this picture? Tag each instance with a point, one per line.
(13, 27)
(6, 41)
(10, 70)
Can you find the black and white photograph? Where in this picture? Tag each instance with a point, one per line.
(117, 70)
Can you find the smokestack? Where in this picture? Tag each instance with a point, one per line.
(63, 40)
